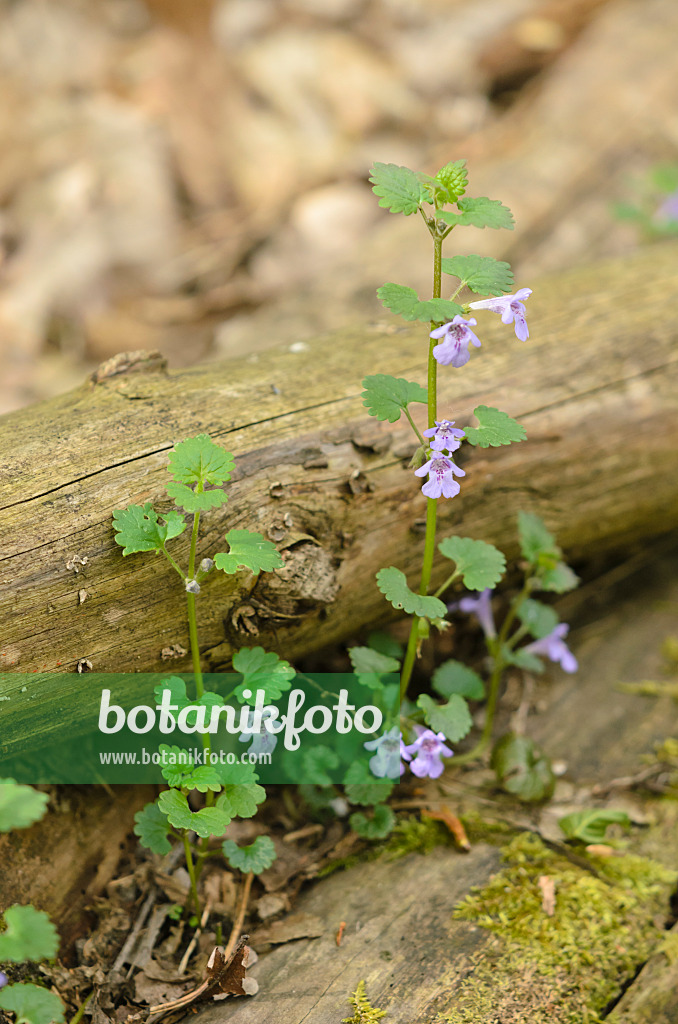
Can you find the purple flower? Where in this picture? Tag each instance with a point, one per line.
(512, 309)
(668, 211)
(445, 436)
(457, 336)
(429, 748)
(479, 605)
(3, 979)
(389, 748)
(554, 647)
(263, 741)
(441, 473)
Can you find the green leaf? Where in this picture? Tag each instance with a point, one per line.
(369, 665)
(539, 618)
(438, 310)
(393, 585)
(32, 1004)
(522, 769)
(398, 187)
(480, 565)
(263, 670)
(210, 821)
(377, 827)
(591, 825)
(363, 788)
(199, 460)
(481, 274)
(153, 828)
(256, 857)
(522, 658)
(241, 800)
(195, 501)
(454, 177)
(495, 428)
(480, 212)
(29, 935)
(241, 773)
(453, 719)
(317, 762)
(665, 177)
(248, 550)
(182, 773)
(139, 528)
(558, 579)
(385, 644)
(537, 544)
(181, 700)
(454, 677)
(20, 806)
(399, 299)
(385, 397)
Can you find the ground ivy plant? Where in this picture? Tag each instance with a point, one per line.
(197, 470)
(432, 724)
(26, 934)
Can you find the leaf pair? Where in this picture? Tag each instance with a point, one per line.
(540, 550)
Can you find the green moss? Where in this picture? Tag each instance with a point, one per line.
(415, 835)
(364, 1013)
(563, 969)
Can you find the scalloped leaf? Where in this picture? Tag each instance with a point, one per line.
(140, 528)
(32, 1004)
(590, 826)
(494, 428)
(455, 677)
(209, 821)
(198, 460)
(29, 935)
(479, 212)
(481, 274)
(248, 550)
(479, 564)
(386, 397)
(454, 178)
(242, 799)
(369, 665)
(398, 188)
(361, 787)
(153, 829)
(453, 718)
(195, 501)
(255, 858)
(262, 670)
(377, 827)
(393, 585)
(538, 618)
(522, 769)
(20, 806)
(181, 773)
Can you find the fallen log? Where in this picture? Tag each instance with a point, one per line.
(595, 387)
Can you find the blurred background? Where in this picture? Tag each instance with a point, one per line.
(191, 175)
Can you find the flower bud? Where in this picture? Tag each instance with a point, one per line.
(207, 565)
(192, 587)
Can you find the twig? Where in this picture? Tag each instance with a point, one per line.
(123, 955)
(238, 923)
(194, 941)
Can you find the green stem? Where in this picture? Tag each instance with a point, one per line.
(495, 679)
(448, 582)
(192, 618)
(422, 440)
(173, 563)
(191, 873)
(431, 505)
(77, 1017)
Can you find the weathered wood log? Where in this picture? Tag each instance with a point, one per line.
(595, 387)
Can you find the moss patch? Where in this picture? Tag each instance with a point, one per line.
(563, 969)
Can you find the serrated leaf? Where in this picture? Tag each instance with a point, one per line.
(20, 806)
(241, 773)
(139, 528)
(454, 677)
(522, 658)
(399, 299)
(182, 773)
(495, 428)
(479, 212)
(522, 769)
(385, 397)
(479, 564)
(153, 828)
(369, 665)
(262, 670)
(454, 177)
(453, 718)
(32, 1004)
(317, 762)
(377, 827)
(591, 825)
(398, 188)
(242, 799)
(539, 618)
(181, 700)
(255, 858)
(209, 821)
(437, 310)
(385, 644)
(29, 935)
(481, 274)
(361, 787)
(195, 501)
(393, 585)
(198, 460)
(248, 550)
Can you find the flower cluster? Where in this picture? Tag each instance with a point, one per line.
(440, 468)
(423, 756)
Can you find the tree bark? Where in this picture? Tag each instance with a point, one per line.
(595, 387)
